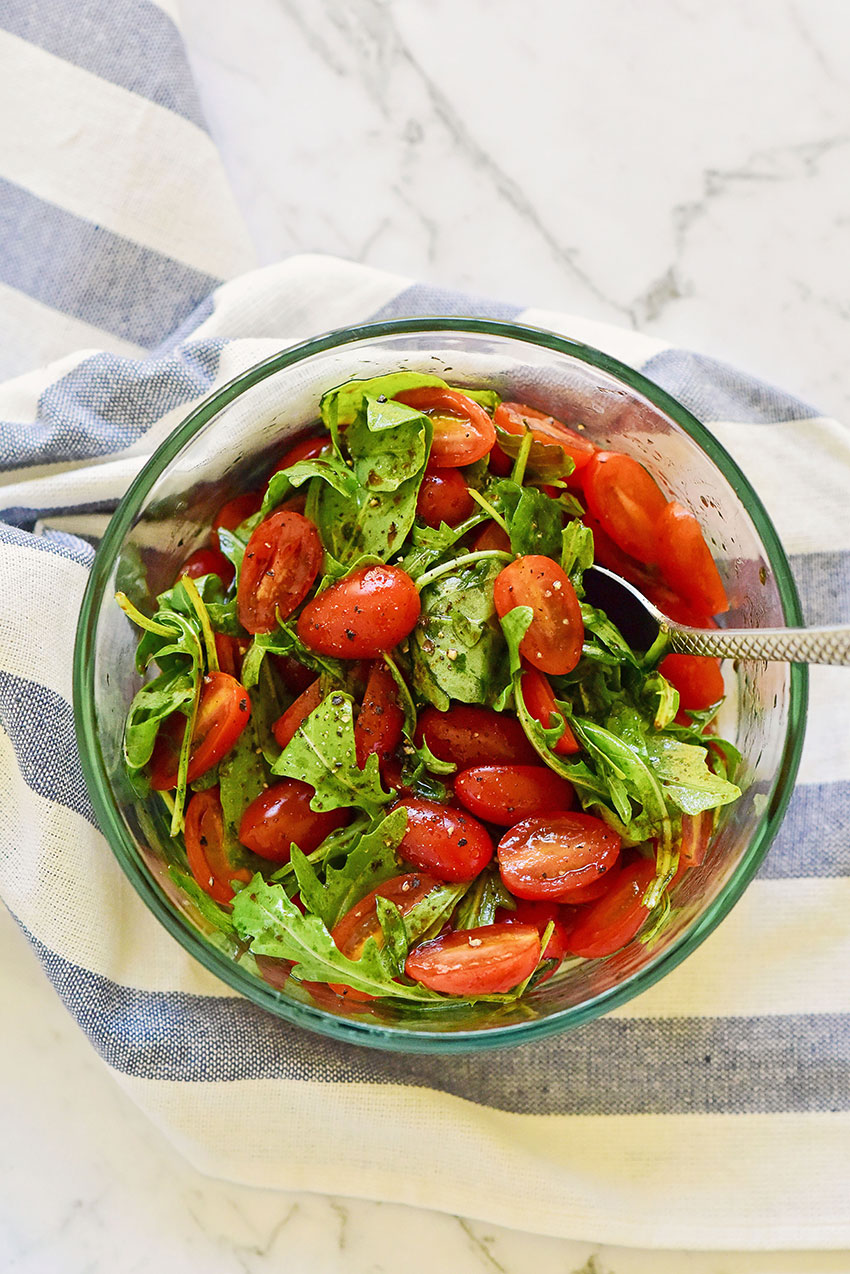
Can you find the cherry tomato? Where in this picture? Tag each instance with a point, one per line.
(541, 915)
(363, 615)
(686, 561)
(223, 712)
(539, 698)
(484, 961)
(361, 923)
(675, 607)
(282, 559)
(696, 837)
(500, 462)
(306, 449)
(468, 735)
(205, 849)
(282, 815)
(463, 432)
(555, 635)
(380, 720)
(391, 776)
(626, 500)
(234, 513)
(697, 678)
(607, 553)
(491, 536)
(506, 794)
(589, 893)
(514, 418)
(549, 855)
(208, 561)
(443, 497)
(607, 925)
(289, 721)
(230, 652)
(294, 675)
(444, 840)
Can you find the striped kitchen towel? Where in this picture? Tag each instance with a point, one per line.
(714, 1110)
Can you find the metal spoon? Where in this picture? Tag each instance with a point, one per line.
(641, 623)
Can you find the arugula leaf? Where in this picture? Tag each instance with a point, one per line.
(211, 911)
(546, 461)
(405, 698)
(388, 444)
(330, 469)
(685, 776)
(597, 622)
(431, 544)
(155, 701)
(427, 916)
(371, 861)
(368, 524)
(284, 640)
(322, 753)
(341, 405)
(242, 776)
(483, 899)
(576, 552)
(396, 943)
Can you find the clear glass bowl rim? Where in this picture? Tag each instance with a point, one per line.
(260, 993)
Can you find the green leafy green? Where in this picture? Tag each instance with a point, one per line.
(481, 902)
(546, 461)
(329, 469)
(388, 444)
(685, 777)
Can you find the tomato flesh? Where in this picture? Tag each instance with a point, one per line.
(306, 449)
(281, 816)
(443, 497)
(463, 431)
(686, 562)
(539, 698)
(289, 721)
(697, 678)
(515, 418)
(484, 961)
(444, 840)
(379, 723)
(282, 559)
(234, 513)
(507, 794)
(224, 709)
(607, 925)
(208, 561)
(205, 847)
(555, 635)
(468, 735)
(552, 854)
(363, 615)
(626, 500)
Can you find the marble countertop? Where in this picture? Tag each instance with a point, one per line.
(673, 166)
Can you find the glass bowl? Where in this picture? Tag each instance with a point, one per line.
(227, 443)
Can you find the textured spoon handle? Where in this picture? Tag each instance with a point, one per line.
(794, 645)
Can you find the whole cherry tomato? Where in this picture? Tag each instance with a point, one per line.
(515, 418)
(507, 794)
(208, 561)
(549, 855)
(605, 926)
(491, 536)
(223, 712)
(363, 615)
(282, 559)
(555, 635)
(235, 511)
(444, 840)
(686, 562)
(295, 675)
(469, 735)
(539, 698)
(697, 678)
(281, 816)
(204, 838)
(289, 721)
(443, 497)
(306, 449)
(626, 500)
(484, 961)
(379, 723)
(463, 432)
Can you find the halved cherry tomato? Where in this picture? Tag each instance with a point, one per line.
(391, 776)
(539, 698)
(696, 837)
(282, 559)
(282, 815)
(235, 511)
(607, 553)
(208, 862)
(208, 561)
(289, 721)
(675, 607)
(626, 500)
(500, 462)
(491, 536)
(363, 615)
(444, 840)
(483, 961)
(468, 735)
(541, 915)
(506, 794)
(463, 432)
(686, 561)
(555, 635)
(443, 497)
(605, 926)
(306, 449)
(361, 923)
(380, 720)
(697, 678)
(547, 856)
(230, 652)
(589, 893)
(295, 675)
(515, 418)
(223, 712)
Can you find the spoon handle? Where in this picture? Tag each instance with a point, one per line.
(830, 645)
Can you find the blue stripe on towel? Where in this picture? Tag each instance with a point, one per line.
(714, 391)
(40, 725)
(423, 298)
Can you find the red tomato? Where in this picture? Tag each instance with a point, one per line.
(462, 435)
(379, 723)
(697, 678)
(626, 500)
(547, 856)
(204, 847)
(353, 931)
(289, 721)
(539, 698)
(468, 735)
(491, 536)
(514, 418)
(686, 561)
(541, 915)
(696, 837)
(443, 497)
(282, 559)
(282, 815)
(606, 926)
(306, 449)
(295, 676)
(506, 794)
(589, 893)
(223, 712)
(363, 615)
(500, 462)
(607, 553)
(556, 632)
(208, 561)
(391, 776)
(484, 961)
(675, 607)
(230, 652)
(235, 511)
(444, 840)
